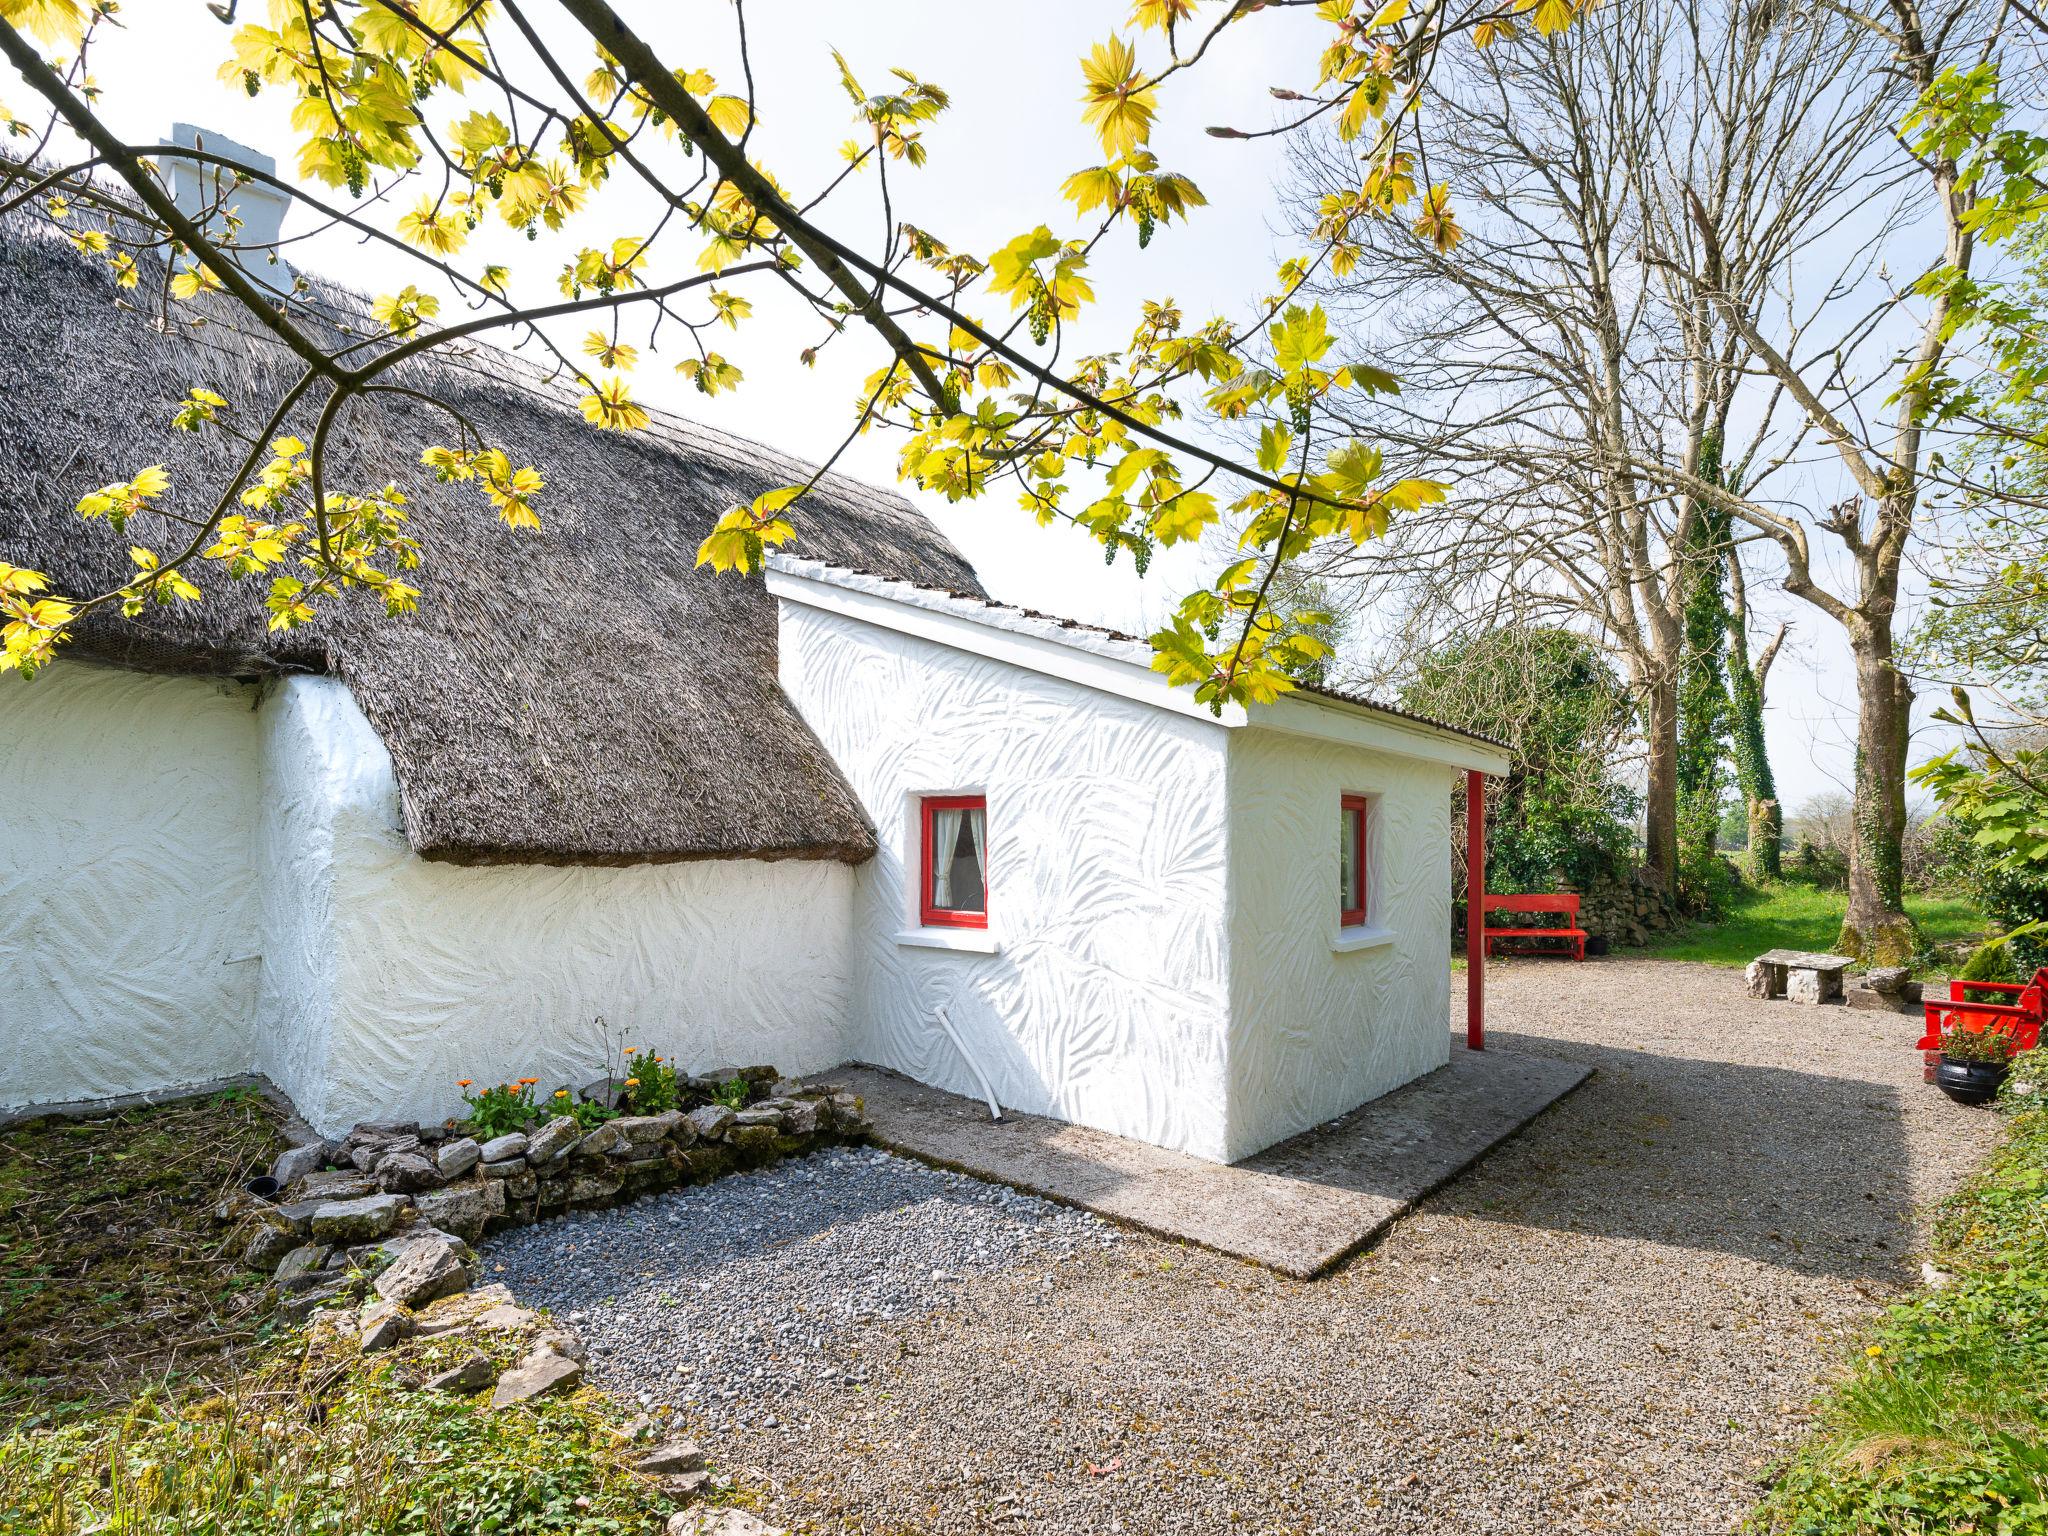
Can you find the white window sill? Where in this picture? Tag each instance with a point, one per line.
(973, 941)
(1347, 940)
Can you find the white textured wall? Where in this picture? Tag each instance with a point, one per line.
(431, 972)
(125, 883)
(1314, 1033)
(1106, 1004)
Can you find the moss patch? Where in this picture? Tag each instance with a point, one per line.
(113, 1271)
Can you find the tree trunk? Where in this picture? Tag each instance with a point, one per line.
(1660, 800)
(1876, 928)
(1766, 839)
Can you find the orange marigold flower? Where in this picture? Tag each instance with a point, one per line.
(632, 1049)
(462, 1082)
(632, 1082)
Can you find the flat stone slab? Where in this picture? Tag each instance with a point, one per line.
(1298, 1207)
(1806, 960)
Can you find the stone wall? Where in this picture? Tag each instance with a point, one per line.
(348, 1210)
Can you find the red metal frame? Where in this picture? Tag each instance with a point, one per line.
(1352, 917)
(948, 917)
(1554, 901)
(1475, 911)
(2022, 1018)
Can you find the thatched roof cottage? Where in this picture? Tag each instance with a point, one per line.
(795, 819)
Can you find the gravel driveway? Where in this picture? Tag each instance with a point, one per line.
(1613, 1324)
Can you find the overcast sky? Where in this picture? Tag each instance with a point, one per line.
(996, 161)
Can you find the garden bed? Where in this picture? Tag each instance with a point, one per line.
(113, 1271)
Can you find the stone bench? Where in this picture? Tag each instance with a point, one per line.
(1798, 975)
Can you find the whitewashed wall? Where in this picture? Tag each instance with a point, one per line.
(1315, 1032)
(126, 892)
(1105, 1003)
(431, 972)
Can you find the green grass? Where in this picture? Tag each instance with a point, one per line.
(1800, 917)
(1941, 1424)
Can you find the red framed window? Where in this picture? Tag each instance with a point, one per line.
(952, 887)
(1355, 815)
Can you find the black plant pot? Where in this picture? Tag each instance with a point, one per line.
(1970, 1082)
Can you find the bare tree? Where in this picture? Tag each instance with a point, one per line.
(1578, 388)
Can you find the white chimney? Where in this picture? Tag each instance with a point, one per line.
(207, 192)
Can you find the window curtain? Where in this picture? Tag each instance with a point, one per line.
(945, 840)
(975, 828)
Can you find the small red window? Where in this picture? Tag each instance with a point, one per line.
(953, 862)
(1351, 890)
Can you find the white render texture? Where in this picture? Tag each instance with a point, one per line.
(126, 903)
(1104, 1003)
(432, 972)
(1162, 884)
(1315, 1031)
(192, 887)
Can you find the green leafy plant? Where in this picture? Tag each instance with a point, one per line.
(588, 1113)
(652, 1083)
(500, 1110)
(733, 1095)
(1978, 1047)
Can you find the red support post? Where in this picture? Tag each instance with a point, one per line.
(1475, 911)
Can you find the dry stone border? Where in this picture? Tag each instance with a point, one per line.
(395, 1205)
(370, 1235)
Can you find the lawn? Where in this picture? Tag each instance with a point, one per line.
(1801, 917)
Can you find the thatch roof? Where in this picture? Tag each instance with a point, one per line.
(580, 695)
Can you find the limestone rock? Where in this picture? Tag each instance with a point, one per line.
(342, 1184)
(604, 1139)
(535, 1376)
(271, 1241)
(407, 1173)
(707, 1521)
(510, 1168)
(760, 1114)
(1808, 987)
(756, 1142)
(464, 1209)
(553, 1140)
(559, 1341)
(297, 1308)
(425, 1269)
(457, 1157)
(1870, 1000)
(711, 1121)
(646, 1130)
(593, 1189)
(1886, 980)
(802, 1118)
(673, 1456)
(465, 1380)
(503, 1149)
(302, 1267)
(356, 1221)
(383, 1324)
(452, 1314)
(848, 1113)
(1760, 978)
(297, 1163)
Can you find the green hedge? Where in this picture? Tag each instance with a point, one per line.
(1942, 1426)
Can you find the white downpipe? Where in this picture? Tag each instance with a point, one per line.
(988, 1092)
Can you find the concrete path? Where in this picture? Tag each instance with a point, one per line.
(1298, 1208)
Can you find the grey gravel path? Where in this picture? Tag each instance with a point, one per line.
(724, 1301)
(1613, 1324)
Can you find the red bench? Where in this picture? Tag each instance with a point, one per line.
(1557, 901)
(2020, 1018)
